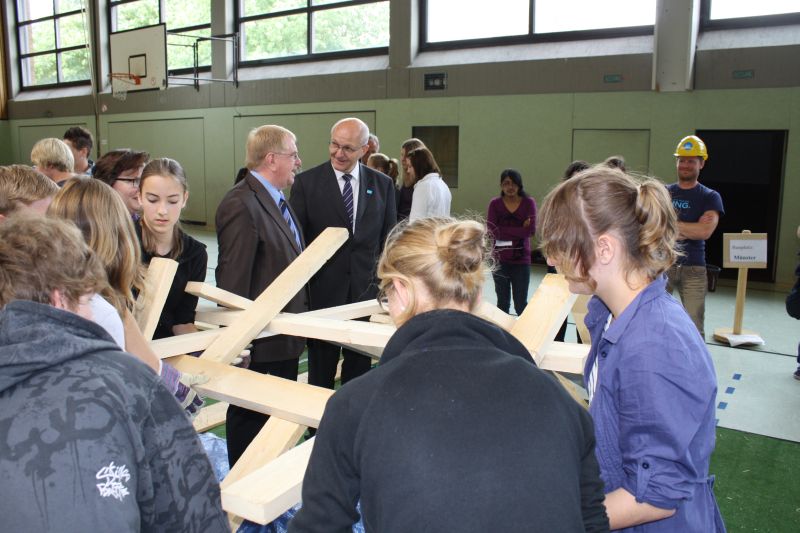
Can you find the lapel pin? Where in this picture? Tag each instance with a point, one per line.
(369, 191)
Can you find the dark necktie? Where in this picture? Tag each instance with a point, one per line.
(347, 196)
(288, 218)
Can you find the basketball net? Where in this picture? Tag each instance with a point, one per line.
(120, 82)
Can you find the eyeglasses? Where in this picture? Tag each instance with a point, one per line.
(383, 300)
(347, 150)
(293, 155)
(134, 182)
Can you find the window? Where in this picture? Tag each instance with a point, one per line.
(192, 17)
(51, 40)
(457, 21)
(291, 29)
(735, 13)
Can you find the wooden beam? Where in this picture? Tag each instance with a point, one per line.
(276, 437)
(491, 313)
(234, 338)
(569, 357)
(579, 311)
(210, 417)
(157, 284)
(542, 318)
(268, 492)
(217, 295)
(292, 401)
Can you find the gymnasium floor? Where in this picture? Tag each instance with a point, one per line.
(756, 392)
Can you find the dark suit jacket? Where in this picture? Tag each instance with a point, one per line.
(349, 276)
(255, 246)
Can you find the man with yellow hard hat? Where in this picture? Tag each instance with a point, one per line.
(699, 209)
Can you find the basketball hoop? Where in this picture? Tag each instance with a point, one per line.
(120, 82)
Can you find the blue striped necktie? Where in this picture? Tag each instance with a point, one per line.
(347, 196)
(288, 218)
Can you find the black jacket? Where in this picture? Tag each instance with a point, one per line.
(456, 430)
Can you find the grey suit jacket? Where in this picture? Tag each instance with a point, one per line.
(349, 276)
(255, 246)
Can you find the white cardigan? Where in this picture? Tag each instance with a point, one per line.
(431, 198)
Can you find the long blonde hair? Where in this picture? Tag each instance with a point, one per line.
(450, 257)
(601, 200)
(102, 217)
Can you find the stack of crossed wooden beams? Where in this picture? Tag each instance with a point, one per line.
(267, 480)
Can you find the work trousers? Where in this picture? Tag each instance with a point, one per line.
(242, 425)
(692, 284)
(512, 279)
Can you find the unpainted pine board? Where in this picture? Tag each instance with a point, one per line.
(226, 317)
(579, 311)
(491, 313)
(183, 344)
(210, 416)
(276, 437)
(544, 314)
(572, 389)
(274, 396)
(217, 295)
(269, 303)
(268, 492)
(157, 283)
(569, 357)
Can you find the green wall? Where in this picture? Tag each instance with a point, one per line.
(539, 134)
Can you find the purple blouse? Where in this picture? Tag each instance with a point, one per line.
(507, 226)
(654, 408)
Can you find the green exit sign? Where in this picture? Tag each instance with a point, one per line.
(744, 74)
(612, 78)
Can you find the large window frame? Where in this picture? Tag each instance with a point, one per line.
(57, 51)
(529, 38)
(743, 22)
(309, 10)
(162, 20)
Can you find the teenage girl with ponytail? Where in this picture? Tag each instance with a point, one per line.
(649, 376)
(456, 429)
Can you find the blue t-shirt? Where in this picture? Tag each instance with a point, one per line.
(690, 204)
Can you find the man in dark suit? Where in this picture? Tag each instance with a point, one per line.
(343, 192)
(259, 235)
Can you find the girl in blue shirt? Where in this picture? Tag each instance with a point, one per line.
(650, 378)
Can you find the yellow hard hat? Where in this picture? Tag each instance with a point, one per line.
(691, 146)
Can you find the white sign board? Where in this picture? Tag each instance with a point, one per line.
(745, 250)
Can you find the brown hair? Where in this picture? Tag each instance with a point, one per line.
(423, 162)
(112, 164)
(450, 257)
(385, 164)
(100, 214)
(409, 144)
(168, 168)
(602, 200)
(52, 152)
(39, 255)
(21, 184)
(80, 138)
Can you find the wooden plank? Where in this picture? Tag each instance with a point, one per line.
(276, 437)
(210, 417)
(226, 317)
(292, 401)
(234, 338)
(182, 344)
(268, 492)
(569, 357)
(572, 389)
(217, 295)
(157, 284)
(542, 318)
(491, 313)
(579, 311)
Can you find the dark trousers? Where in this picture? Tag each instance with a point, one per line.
(323, 357)
(512, 279)
(242, 425)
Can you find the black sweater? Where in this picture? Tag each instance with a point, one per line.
(456, 430)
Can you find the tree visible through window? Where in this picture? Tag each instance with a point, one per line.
(51, 39)
(271, 29)
(181, 16)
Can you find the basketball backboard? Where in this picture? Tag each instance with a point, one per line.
(141, 53)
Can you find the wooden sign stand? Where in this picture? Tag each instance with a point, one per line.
(743, 251)
(273, 460)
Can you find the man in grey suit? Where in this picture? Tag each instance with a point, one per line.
(259, 235)
(343, 192)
